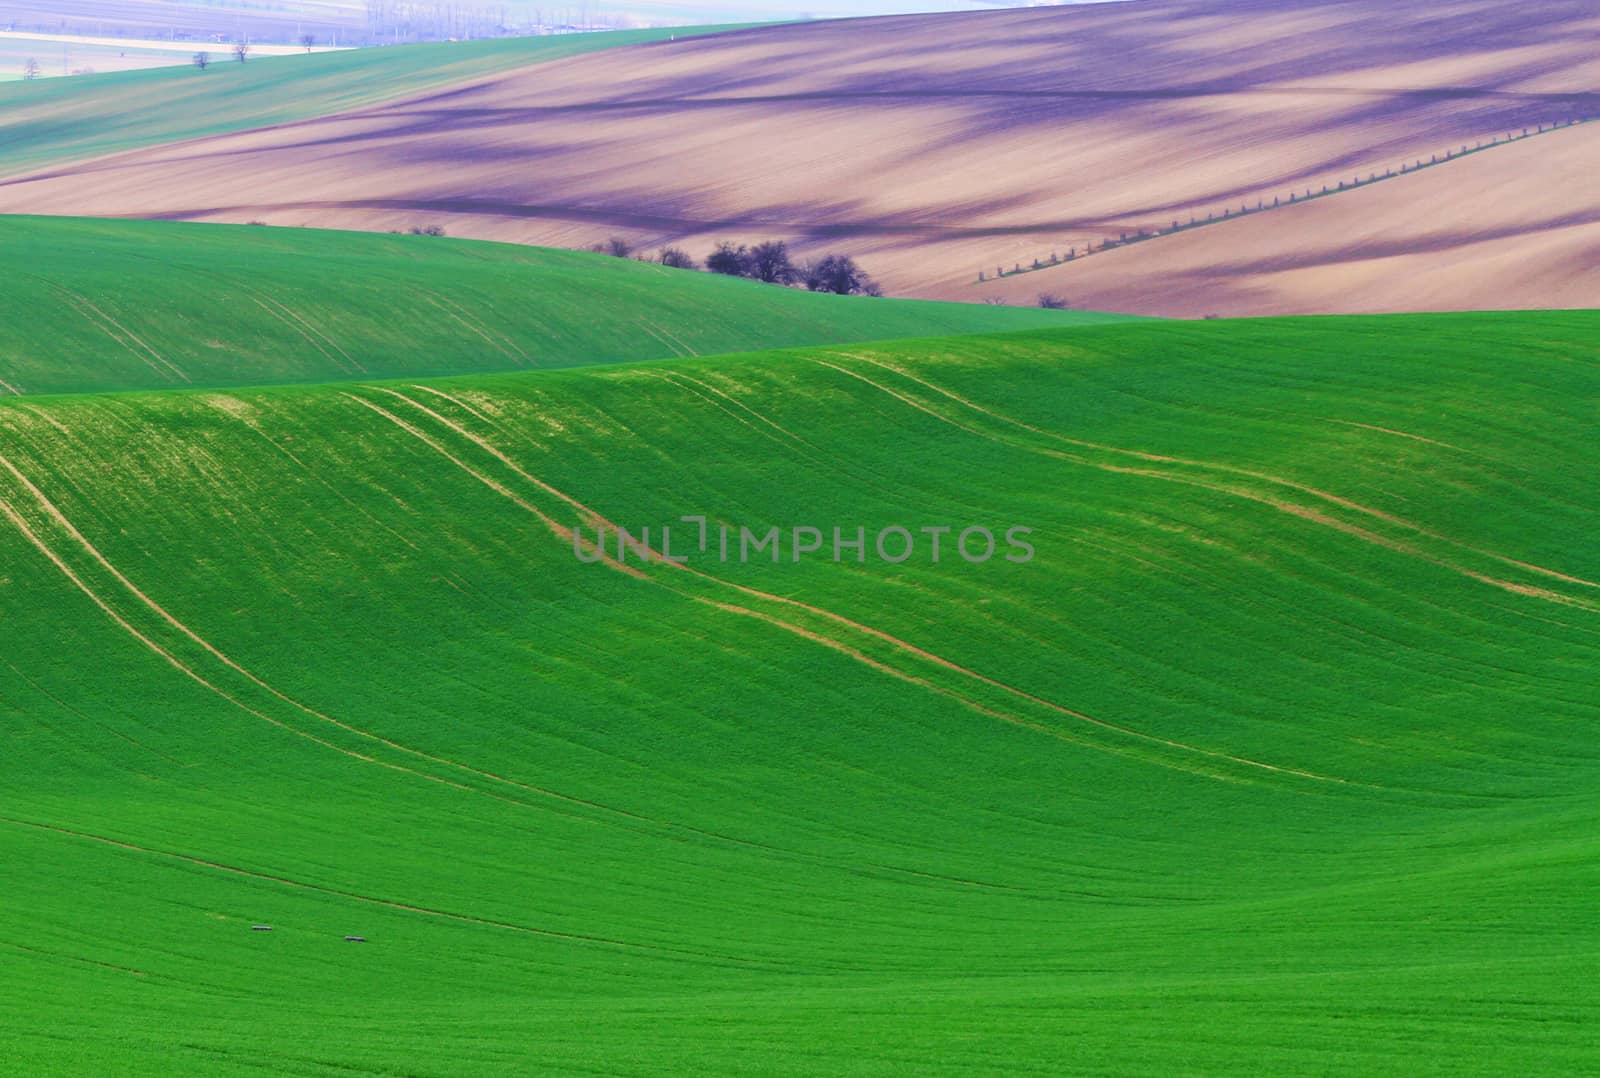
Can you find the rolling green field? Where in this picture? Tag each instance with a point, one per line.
(1278, 757)
(54, 121)
(98, 305)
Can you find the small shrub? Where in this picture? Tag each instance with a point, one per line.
(1052, 301)
(677, 258)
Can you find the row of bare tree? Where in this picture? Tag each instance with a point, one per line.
(769, 262)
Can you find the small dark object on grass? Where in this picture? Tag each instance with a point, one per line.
(355, 939)
(261, 928)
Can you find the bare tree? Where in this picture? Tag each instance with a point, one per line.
(616, 247)
(30, 68)
(729, 260)
(770, 262)
(202, 60)
(308, 40)
(241, 51)
(677, 258)
(838, 274)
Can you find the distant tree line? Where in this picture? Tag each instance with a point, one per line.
(769, 262)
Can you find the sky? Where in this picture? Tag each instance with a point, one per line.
(757, 10)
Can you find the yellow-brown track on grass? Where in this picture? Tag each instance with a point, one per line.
(809, 448)
(310, 327)
(590, 516)
(923, 683)
(21, 525)
(742, 406)
(668, 345)
(457, 401)
(679, 383)
(117, 332)
(1289, 507)
(345, 364)
(505, 346)
(1398, 434)
(45, 417)
(67, 526)
(669, 335)
(355, 896)
(9, 388)
(556, 528)
(256, 428)
(7, 511)
(659, 559)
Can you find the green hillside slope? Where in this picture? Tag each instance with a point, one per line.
(1278, 757)
(96, 305)
(53, 121)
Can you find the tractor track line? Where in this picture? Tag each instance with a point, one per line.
(404, 907)
(1265, 476)
(879, 634)
(1309, 515)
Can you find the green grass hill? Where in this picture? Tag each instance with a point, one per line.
(1278, 757)
(98, 305)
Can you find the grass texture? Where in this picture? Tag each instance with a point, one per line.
(1278, 757)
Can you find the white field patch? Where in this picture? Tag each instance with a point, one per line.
(185, 48)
